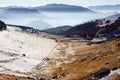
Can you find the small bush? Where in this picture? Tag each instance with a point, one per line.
(2, 26)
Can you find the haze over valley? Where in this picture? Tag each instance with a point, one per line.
(48, 16)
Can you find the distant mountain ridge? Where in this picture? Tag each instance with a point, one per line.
(19, 9)
(63, 7)
(113, 17)
(49, 7)
(105, 7)
(22, 9)
(39, 24)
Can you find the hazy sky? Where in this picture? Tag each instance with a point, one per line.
(43, 2)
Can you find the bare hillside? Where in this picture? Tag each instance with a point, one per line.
(79, 61)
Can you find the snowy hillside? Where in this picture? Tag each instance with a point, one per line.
(22, 51)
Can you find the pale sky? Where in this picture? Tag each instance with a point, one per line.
(44, 2)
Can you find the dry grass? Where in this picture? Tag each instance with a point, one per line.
(12, 77)
(87, 60)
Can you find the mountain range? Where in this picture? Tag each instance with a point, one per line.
(62, 8)
(49, 7)
(40, 17)
(19, 9)
(105, 7)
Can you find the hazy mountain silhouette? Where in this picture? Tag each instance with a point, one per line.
(49, 7)
(39, 24)
(62, 8)
(113, 17)
(105, 7)
(19, 9)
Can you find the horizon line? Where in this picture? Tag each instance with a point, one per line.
(59, 4)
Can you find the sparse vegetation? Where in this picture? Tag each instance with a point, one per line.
(90, 62)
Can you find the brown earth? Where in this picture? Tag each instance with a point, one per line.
(78, 61)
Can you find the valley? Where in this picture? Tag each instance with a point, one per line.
(59, 41)
(45, 56)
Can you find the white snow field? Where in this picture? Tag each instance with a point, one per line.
(20, 51)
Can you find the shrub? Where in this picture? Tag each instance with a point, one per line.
(2, 26)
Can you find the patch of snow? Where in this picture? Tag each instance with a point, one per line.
(21, 51)
(112, 74)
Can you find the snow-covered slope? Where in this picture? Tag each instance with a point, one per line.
(20, 51)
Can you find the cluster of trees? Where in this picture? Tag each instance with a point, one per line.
(109, 28)
(91, 29)
(86, 30)
(2, 26)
